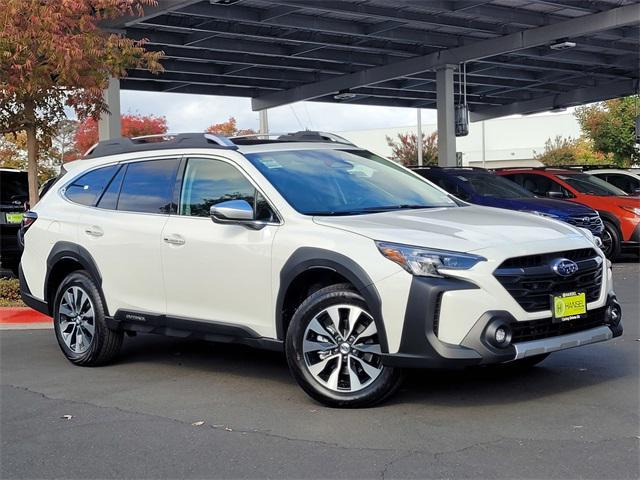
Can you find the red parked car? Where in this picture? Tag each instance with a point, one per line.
(620, 212)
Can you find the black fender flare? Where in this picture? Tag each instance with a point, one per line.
(611, 218)
(307, 258)
(63, 250)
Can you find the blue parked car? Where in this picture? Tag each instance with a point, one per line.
(483, 187)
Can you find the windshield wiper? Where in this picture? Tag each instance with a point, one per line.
(397, 207)
(370, 210)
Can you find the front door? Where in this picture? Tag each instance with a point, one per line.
(218, 272)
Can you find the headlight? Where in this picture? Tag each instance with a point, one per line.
(541, 214)
(427, 262)
(590, 236)
(634, 210)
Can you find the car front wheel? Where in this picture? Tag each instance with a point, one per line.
(333, 350)
(610, 241)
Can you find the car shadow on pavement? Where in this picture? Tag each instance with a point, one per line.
(203, 356)
(562, 372)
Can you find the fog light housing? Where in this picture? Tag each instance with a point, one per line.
(614, 313)
(498, 334)
(501, 335)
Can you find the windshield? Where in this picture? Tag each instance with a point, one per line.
(336, 182)
(14, 187)
(590, 184)
(490, 185)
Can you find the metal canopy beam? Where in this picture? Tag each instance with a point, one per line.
(551, 102)
(576, 27)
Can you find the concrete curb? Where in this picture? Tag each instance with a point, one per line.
(22, 316)
(25, 326)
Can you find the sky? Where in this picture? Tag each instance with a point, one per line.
(194, 113)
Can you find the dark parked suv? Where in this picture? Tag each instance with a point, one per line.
(483, 187)
(14, 192)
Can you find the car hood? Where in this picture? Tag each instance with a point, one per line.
(462, 229)
(543, 205)
(628, 201)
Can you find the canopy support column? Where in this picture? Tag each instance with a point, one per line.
(446, 116)
(109, 123)
(419, 137)
(264, 121)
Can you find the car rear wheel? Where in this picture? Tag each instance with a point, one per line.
(79, 322)
(610, 241)
(333, 350)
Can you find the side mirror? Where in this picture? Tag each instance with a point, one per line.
(238, 212)
(557, 195)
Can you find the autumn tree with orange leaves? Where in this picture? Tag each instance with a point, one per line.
(229, 129)
(404, 150)
(54, 55)
(130, 126)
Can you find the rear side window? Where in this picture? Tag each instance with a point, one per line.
(109, 198)
(14, 187)
(86, 189)
(147, 186)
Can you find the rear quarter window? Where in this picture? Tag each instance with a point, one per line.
(86, 189)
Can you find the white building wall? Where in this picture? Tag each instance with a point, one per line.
(508, 141)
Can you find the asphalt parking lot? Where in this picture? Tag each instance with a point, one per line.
(575, 416)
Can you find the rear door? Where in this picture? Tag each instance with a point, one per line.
(123, 230)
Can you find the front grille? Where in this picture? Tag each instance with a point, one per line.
(546, 327)
(530, 279)
(590, 222)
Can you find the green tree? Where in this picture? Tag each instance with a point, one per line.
(405, 149)
(561, 151)
(13, 154)
(610, 125)
(53, 54)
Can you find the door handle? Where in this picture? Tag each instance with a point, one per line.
(174, 239)
(94, 231)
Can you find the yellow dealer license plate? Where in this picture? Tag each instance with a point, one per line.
(14, 217)
(569, 306)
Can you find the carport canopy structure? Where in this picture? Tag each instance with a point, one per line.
(520, 56)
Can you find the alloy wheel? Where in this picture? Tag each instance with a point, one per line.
(77, 319)
(341, 348)
(607, 242)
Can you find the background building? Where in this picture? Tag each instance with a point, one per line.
(511, 141)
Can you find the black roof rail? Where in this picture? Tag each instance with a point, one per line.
(529, 168)
(593, 167)
(159, 142)
(301, 136)
(452, 167)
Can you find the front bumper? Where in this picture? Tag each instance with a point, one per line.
(553, 344)
(633, 244)
(420, 346)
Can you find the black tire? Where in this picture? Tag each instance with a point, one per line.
(384, 385)
(105, 343)
(611, 241)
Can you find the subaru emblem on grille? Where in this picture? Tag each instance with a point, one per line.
(564, 267)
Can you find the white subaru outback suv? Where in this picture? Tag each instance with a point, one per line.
(354, 266)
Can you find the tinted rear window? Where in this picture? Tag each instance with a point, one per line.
(148, 186)
(86, 189)
(109, 198)
(14, 187)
